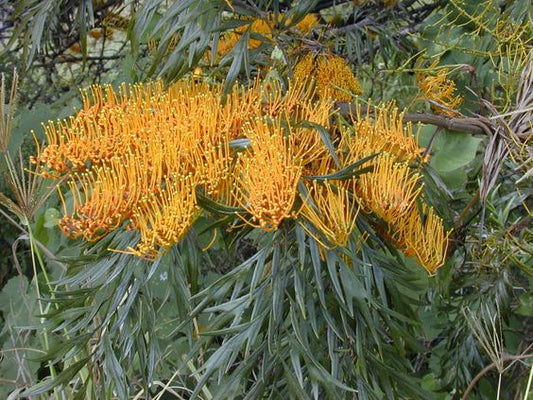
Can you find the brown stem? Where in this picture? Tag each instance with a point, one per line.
(468, 207)
(505, 358)
(450, 124)
(473, 126)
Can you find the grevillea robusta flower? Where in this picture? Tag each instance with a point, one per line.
(268, 174)
(332, 210)
(136, 158)
(421, 234)
(390, 189)
(439, 90)
(331, 74)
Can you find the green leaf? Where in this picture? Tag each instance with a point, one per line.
(218, 208)
(326, 139)
(51, 218)
(240, 58)
(347, 172)
(332, 263)
(451, 150)
(63, 378)
(526, 305)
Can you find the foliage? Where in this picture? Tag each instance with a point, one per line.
(251, 219)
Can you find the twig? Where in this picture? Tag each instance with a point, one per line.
(462, 216)
(491, 366)
(71, 59)
(351, 27)
(427, 151)
(474, 126)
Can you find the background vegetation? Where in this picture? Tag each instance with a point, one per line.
(271, 314)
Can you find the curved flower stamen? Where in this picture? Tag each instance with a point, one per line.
(332, 211)
(390, 189)
(268, 175)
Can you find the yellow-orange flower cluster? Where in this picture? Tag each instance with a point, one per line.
(139, 154)
(392, 188)
(137, 158)
(379, 130)
(268, 174)
(422, 235)
(332, 210)
(163, 219)
(262, 27)
(439, 91)
(332, 75)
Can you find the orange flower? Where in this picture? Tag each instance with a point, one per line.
(240, 105)
(212, 169)
(258, 26)
(102, 200)
(305, 68)
(137, 156)
(423, 237)
(263, 27)
(267, 175)
(164, 218)
(321, 166)
(334, 78)
(332, 211)
(381, 130)
(390, 189)
(106, 126)
(297, 104)
(439, 91)
(301, 113)
(307, 23)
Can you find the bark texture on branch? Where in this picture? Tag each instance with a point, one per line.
(474, 126)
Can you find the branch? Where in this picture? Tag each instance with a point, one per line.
(491, 366)
(474, 126)
(323, 4)
(450, 124)
(72, 59)
(351, 27)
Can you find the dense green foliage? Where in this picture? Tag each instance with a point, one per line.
(232, 311)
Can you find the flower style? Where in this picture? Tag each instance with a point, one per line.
(390, 189)
(334, 78)
(297, 104)
(423, 237)
(301, 114)
(323, 165)
(379, 131)
(240, 105)
(268, 175)
(107, 124)
(164, 218)
(332, 211)
(212, 169)
(103, 199)
(439, 91)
